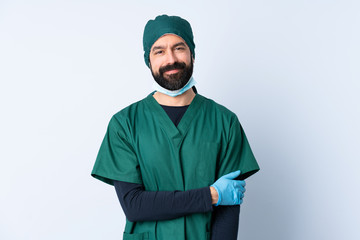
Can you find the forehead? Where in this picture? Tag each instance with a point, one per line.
(168, 39)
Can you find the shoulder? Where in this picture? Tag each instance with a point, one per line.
(218, 109)
(130, 111)
(124, 118)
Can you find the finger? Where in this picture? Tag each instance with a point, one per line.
(242, 196)
(241, 182)
(239, 197)
(238, 184)
(232, 175)
(240, 190)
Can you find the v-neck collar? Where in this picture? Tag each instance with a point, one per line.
(165, 122)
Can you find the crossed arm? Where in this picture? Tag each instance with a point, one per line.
(141, 205)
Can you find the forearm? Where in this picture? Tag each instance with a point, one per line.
(225, 222)
(141, 205)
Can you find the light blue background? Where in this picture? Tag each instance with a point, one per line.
(288, 69)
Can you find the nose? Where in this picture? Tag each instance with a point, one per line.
(170, 57)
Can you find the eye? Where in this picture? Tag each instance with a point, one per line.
(158, 52)
(179, 48)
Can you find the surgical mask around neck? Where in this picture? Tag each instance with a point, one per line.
(174, 93)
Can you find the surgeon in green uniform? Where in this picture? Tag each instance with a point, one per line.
(143, 146)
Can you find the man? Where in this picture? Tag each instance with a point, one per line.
(177, 159)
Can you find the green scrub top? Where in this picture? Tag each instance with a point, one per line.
(142, 145)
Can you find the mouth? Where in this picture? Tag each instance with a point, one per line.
(173, 71)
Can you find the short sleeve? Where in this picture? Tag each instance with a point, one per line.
(238, 154)
(116, 159)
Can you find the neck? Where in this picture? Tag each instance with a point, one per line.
(181, 100)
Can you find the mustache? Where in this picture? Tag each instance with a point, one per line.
(176, 65)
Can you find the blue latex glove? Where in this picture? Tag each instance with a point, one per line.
(231, 192)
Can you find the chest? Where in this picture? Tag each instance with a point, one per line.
(181, 158)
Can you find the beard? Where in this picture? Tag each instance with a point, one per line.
(174, 81)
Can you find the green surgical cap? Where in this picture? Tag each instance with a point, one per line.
(165, 24)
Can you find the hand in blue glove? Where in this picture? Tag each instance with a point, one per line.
(231, 192)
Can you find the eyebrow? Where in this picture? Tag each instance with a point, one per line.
(162, 47)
